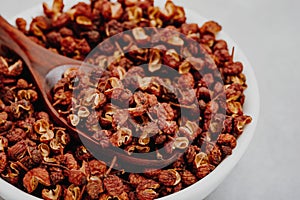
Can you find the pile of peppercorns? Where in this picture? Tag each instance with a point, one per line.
(40, 158)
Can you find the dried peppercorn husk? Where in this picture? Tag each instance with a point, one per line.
(34, 177)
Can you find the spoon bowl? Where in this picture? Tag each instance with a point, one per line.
(54, 75)
(46, 69)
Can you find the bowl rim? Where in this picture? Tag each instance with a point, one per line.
(209, 183)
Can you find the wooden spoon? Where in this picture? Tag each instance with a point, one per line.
(46, 69)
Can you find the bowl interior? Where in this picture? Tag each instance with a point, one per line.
(205, 186)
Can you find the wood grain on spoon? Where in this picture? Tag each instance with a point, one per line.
(40, 62)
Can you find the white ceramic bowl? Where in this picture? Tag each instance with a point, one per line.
(205, 186)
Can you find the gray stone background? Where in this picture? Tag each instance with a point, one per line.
(268, 33)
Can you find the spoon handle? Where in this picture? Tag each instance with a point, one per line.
(6, 40)
(41, 59)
